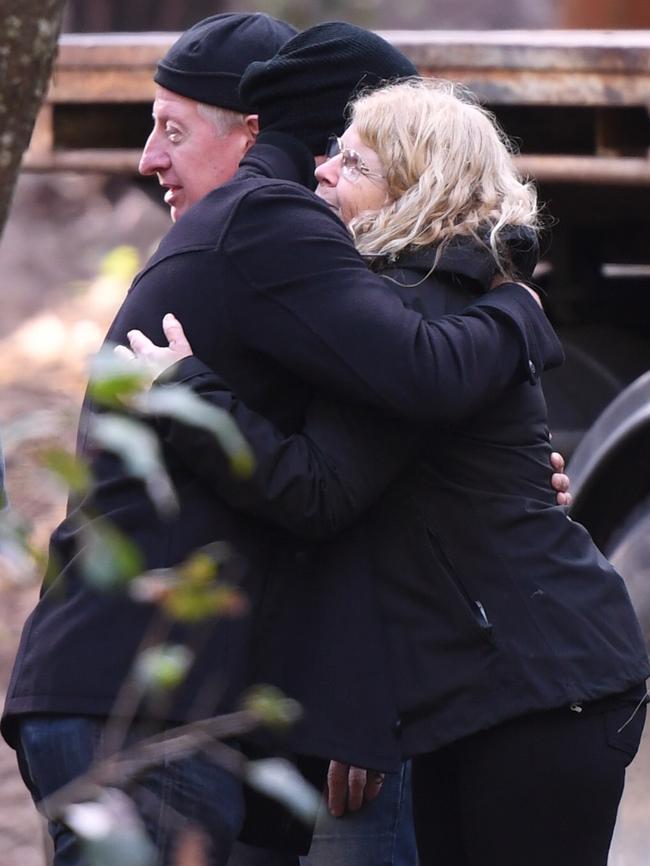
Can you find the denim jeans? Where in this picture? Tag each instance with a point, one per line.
(53, 750)
(379, 834)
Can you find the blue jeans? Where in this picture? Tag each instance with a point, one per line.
(53, 750)
(379, 834)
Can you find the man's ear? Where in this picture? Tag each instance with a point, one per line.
(252, 124)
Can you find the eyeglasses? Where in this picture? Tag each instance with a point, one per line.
(353, 164)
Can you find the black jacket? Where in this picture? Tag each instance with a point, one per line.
(495, 603)
(275, 298)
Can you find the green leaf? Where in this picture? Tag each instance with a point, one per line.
(121, 263)
(107, 557)
(192, 591)
(114, 380)
(111, 831)
(71, 470)
(162, 668)
(280, 780)
(180, 403)
(271, 706)
(139, 449)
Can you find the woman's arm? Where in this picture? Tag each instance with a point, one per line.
(315, 482)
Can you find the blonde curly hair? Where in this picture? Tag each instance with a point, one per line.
(448, 168)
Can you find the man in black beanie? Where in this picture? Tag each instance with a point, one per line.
(202, 125)
(275, 298)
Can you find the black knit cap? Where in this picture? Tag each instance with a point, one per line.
(305, 88)
(206, 62)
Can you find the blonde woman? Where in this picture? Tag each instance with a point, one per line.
(514, 655)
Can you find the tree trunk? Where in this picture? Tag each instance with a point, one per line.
(28, 38)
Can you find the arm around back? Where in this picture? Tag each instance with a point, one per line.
(299, 292)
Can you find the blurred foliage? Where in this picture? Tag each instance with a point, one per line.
(72, 471)
(108, 558)
(271, 706)
(192, 591)
(162, 668)
(121, 263)
(139, 449)
(113, 381)
(179, 403)
(111, 831)
(128, 424)
(280, 780)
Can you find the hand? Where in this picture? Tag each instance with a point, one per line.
(499, 280)
(559, 480)
(157, 359)
(348, 788)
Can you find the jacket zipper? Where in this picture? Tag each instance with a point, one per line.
(476, 607)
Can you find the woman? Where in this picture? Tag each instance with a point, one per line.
(515, 656)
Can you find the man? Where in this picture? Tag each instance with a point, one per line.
(274, 342)
(201, 126)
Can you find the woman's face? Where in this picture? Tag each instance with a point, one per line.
(352, 181)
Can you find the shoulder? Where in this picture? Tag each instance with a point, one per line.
(428, 286)
(281, 211)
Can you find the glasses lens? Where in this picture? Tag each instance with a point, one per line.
(333, 146)
(351, 164)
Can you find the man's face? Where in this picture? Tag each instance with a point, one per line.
(187, 153)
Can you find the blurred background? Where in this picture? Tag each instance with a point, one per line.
(104, 15)
(74, 241)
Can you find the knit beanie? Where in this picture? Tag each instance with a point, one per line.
(305, 88)
(207, 62)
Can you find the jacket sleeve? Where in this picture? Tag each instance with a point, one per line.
(315, 482)
(301, 294)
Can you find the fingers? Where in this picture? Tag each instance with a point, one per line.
(349, 787)
(560, 482)
(557, 461)
(337, 788)
(564, 499)
(124, 353)
(174, 332)
(139, 343)
(356, 787)
(374, 784)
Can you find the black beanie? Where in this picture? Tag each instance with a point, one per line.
(206, 62)
(305, 88)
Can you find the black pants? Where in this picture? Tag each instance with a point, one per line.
(541, 790)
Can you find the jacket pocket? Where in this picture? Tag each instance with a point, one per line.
(473, 605)
(624, 727)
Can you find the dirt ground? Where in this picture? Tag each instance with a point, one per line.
(60, 293)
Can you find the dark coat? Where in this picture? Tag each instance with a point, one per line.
(495, 603)
(273, 295)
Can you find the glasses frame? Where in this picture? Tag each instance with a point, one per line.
(353, 165)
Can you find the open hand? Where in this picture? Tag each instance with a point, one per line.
(157, 359)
